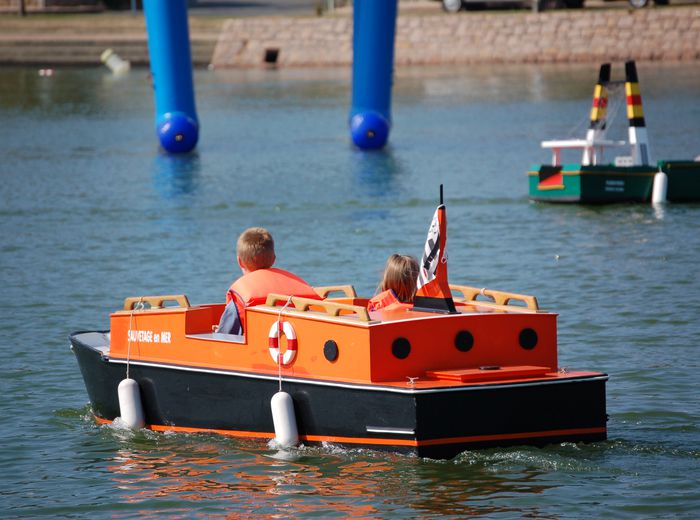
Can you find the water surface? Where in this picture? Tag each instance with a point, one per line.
(91, 212)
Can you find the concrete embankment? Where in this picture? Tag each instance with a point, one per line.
(513, 37)
(423, 38)
(79, 39)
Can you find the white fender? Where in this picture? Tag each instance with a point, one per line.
(658, 193)
(286, 434)
(130, 406)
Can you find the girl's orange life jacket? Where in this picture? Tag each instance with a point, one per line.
(385, 300)
(254, 287)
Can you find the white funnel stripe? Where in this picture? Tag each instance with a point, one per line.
(639, 143)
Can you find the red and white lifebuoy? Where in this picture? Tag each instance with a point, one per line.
(273, 342)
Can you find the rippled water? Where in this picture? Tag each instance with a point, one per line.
(92, 212)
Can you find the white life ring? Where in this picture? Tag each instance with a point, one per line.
(273, 342)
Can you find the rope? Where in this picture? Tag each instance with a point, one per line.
(616, 100)
(139, 305)
(279, 344)
(578, 128)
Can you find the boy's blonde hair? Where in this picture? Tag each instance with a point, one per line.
(256, 248)
(401, 276)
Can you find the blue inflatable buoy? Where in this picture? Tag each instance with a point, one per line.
(369, 130)
(177, 132)
(374, 28)
(170, 57)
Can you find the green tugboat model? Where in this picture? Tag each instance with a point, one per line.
(628, 178)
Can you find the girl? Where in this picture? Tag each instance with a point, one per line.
(398, 284)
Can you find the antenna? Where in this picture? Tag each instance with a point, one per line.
(441, 194)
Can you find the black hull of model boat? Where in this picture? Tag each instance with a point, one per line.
(436, 424)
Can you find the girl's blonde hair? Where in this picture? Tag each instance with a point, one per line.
(256, 248)
(400, 275)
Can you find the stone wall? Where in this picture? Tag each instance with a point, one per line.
(51, 6)
(556, 36)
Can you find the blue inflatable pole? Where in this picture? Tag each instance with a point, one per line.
(171, 67)
(374, 27)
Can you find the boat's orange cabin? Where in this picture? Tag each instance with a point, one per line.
(494, 336)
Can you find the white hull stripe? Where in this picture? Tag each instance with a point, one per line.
(373, 388)
(396, 431)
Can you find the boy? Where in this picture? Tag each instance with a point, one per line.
(255, 254)
(255, 249)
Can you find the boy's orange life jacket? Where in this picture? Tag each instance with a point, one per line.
(254, 287)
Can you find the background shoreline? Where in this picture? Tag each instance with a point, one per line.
(424, 37)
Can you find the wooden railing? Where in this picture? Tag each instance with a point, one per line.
(334, 309)
(496, 299)
(347, 290)
(156, 302)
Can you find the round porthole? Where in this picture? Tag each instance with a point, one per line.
(330, 350)
(401, 348)
(528, 339)
(464, 341)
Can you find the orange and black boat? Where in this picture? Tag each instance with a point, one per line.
(475, 370)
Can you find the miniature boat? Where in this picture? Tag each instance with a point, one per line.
(628, 178)
(433, 379)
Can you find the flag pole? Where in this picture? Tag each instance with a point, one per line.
(433, 289)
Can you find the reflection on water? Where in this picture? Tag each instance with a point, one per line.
(176, 174)
(659, 211)
(494, 84)
(326, 481)
(377, 174)
(377, 171)
(191, 471)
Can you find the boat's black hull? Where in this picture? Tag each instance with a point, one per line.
(437, 424)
